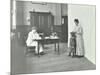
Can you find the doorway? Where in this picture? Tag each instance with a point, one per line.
(64, 29)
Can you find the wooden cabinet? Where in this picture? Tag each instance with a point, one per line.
(43, 21)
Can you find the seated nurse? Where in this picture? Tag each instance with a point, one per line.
(31, 40)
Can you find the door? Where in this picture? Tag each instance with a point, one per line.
(65, 28)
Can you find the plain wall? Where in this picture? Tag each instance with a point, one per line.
(86, 16)
(64, 9)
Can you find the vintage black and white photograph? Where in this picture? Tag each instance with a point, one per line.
(52, 37)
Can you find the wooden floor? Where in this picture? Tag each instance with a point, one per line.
(22, 63)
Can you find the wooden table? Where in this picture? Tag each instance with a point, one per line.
(55, 41)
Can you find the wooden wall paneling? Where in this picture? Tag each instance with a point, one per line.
(43, 21)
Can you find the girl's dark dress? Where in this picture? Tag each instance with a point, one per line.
(72, 46)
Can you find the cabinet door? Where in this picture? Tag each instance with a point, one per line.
(34, 19)
(50, 22)
(46, 21)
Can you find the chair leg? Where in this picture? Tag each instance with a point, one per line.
(26, 51)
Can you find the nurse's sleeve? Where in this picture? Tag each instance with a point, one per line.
(80, 31)
(74, 29)
(37, 36)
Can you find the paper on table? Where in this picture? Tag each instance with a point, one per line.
(47, 37)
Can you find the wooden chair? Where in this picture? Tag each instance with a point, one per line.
(28, 48)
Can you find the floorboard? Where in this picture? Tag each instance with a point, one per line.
(22, 63)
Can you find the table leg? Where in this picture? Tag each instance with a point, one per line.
(58, 47)
(38, 49)
(55, 47)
